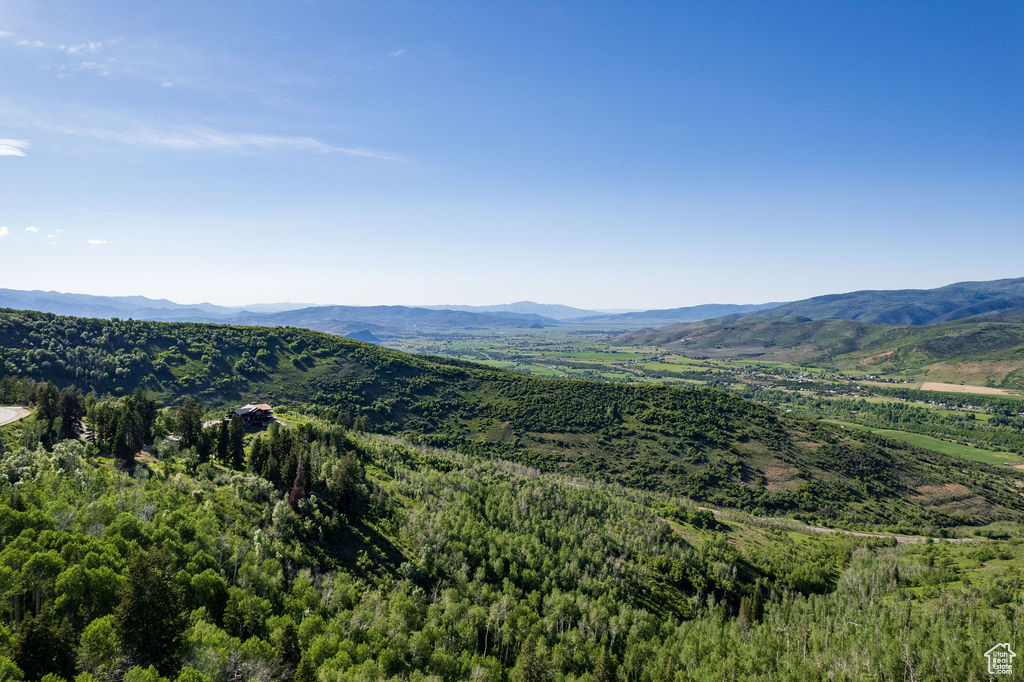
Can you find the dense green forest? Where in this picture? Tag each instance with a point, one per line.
(696, 441)
(383, 560)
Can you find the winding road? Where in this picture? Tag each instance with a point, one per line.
(12, 414)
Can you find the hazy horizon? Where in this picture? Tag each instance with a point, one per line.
(609, 310)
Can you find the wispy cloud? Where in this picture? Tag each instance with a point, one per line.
(9, 147)
(52, 237)
(96, 242)
(203, 138)
(108, 127)
(31, 228)
(86, 47)
(4, 231)
(397, 53)
(90, 47)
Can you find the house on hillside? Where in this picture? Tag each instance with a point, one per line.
(254, 415)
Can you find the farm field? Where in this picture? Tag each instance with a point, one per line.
(587, 355)
(943, 446)
(955, 449)
(961, 388)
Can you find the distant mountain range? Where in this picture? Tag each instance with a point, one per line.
(366, 323)
(899, 307)
(136, 307)
(970, 331)
(392, 319)
(628, 319)
(362, 322)
(910, 306)
(694, 313)
(550, 310)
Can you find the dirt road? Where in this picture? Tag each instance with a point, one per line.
(798, 525)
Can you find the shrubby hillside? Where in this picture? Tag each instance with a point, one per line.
(698, 441)
(909, 306)
(387, 561)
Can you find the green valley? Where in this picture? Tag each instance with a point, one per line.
(693, 440)
(419, 517)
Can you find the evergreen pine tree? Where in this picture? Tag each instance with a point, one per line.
(533, 663)
(189, 421)
(289, 464)
(272, 471)
(236, 447)
(223, 442)
(71, 412)
(347, 484)
(257, 456)
(288, 651)
(306, 672)
(149, 618)
(42, 647)
(125, 444)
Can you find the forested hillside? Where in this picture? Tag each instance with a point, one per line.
(697, 441)
(384, 561)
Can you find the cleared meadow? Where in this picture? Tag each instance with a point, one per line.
(962, 388)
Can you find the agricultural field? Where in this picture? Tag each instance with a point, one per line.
(591, 355)
(961, 388)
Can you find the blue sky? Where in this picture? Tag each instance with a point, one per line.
(594, 154)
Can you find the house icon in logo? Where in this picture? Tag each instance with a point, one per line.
(1000, 659)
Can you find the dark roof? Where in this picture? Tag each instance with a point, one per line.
(245, 409)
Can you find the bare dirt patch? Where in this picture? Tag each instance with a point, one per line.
(782, 478)
(953, 497)
(962, 388)
(880, 358)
